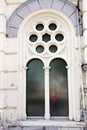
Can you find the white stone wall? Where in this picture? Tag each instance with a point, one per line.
(9, 80)
(85, 45)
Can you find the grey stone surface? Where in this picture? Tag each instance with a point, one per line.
(29, 6)
(23, 12)
(57, 4)
(45, 3)
(68, 10)
(34, 5)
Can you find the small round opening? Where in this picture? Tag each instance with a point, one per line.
(33, 38)
(52, 26)
(53, 48)
(59, 37)
(39, 27)
(39, 49)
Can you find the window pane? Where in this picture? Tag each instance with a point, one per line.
(59, 37)
(40, 27)
(35, 89)
(58, 88)
(33, 38)
(52, 26)
(39, 49)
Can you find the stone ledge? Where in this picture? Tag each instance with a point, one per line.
(53, 122)
(43, 128)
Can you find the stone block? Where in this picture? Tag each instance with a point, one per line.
(68, 10)
(85, 39)
(1, 61)
(24, 12)
(85, 21)
(57, 4)
(11, 45)
(11, 115)
(15, 1)
(2, 100)
(2, 24)
(45, 3)
(2, 7)
(85, 55)
(2, 42)
(11, 98)
(84, 5)
(73, 18)
(1, 79)
(11, 63)
(11, 80)
(33, 5)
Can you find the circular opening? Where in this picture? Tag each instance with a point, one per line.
(39, 49)
(33, 38)
(52, 26)
(40, 27)
(59, 37)
(53, 48)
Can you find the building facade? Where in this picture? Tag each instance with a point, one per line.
(43, 64)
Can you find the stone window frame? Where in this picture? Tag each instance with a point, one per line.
(67, 53)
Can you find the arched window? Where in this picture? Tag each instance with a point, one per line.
(58, 88)
(46, 39)
(35, 88)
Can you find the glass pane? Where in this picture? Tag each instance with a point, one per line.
(52, 26)
(35, 89)
(58, 88)
(46, 37)
(53, 48)
(33, 38)
(40, 49)
(59, 37)
(40, 27)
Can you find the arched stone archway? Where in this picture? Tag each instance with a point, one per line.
(30, 6)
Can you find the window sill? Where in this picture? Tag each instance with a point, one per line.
(60, 122)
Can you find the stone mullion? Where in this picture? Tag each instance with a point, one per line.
(47, 95)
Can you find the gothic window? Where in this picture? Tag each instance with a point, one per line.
(46, 88)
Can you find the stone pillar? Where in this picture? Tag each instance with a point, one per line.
(2, 53)
(84, 3)
(47, 94)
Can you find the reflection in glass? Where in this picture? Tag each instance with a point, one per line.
(35, 88)
(58, 88)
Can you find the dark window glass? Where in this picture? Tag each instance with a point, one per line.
(40, 49)
(59, 37)
(52, 26)
(53, 48)
(39, 27)
(58, 88)
(35, 88)
(46, 37)
(33, 38)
